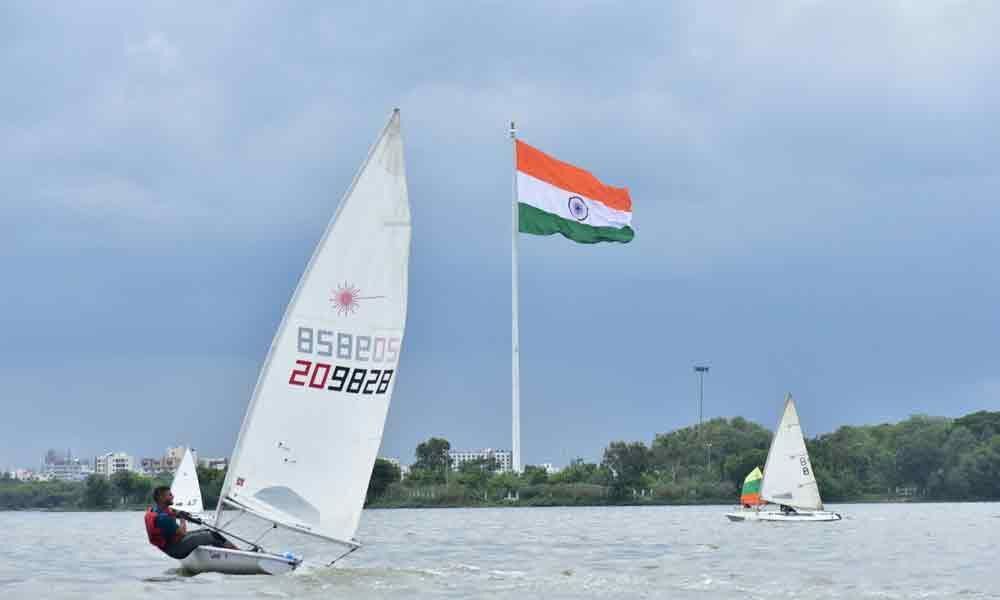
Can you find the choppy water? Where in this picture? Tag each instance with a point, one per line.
(879, 551)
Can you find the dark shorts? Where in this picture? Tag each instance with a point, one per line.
(186, 545)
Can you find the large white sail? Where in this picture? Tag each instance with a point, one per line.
(788, 474)
(185, 487)
(309, 438)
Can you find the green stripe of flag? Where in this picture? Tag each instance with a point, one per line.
(538, 222)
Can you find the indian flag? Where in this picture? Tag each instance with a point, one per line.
(556, 197)
(750, 496)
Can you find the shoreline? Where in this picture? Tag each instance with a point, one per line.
(513, 505)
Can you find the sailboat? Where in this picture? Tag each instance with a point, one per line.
(186, 489)
(314, 423)
(789, 484)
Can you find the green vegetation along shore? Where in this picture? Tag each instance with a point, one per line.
(921, 458)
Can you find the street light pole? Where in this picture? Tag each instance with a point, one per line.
(701, 370)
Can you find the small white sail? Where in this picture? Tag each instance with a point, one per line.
(310, 435)
(788, 474)
(185, 487)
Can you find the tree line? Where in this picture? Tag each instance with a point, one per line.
(123, 490)
(931, 458)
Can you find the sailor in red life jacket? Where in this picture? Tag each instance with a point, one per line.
(172, 538)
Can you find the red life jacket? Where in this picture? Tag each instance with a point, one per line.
(156, 536)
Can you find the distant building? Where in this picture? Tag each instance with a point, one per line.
(151, 466)
(460, 457)
(549, 469)
(63, 467)
(74, 470)
(219, 464)
(23, 474)
(113, 462)
(173, 456)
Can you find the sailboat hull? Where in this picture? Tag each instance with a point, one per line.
(209, 559)
(776, 516)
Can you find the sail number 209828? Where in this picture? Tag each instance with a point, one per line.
(338, 378)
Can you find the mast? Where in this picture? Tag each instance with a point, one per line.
(515, 359)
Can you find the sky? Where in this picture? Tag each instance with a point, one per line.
(815, 191)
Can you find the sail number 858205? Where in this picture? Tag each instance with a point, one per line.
(337, 378)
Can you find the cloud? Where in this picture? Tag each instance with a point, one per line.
(155, 51)
(814, 188)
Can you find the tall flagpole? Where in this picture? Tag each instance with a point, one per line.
(515, 360)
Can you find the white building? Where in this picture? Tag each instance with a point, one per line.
(219, 464)
(63, 467)
(113, 462)
(460, 457)
(66, 470)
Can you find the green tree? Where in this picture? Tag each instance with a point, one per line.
(210, 483)
(983, 424)
(126, 485)
(577, 471)
(737, 466)
(981, 468)
(919, 449)
(97, 492)
(384, 474)
(627, 463)
(432, 455)
(534, 475)
(502, 485)
(474, 475)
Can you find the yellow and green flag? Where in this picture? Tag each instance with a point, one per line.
(750, 496)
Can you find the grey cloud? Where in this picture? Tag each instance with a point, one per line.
(814, 188)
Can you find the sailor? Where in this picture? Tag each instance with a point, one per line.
(788, 510)
(172, 538)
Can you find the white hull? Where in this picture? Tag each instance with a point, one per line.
(237, 562)
(803, 516)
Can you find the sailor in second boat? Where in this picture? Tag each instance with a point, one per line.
(172, 537)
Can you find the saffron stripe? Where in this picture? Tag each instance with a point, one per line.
(563, 175)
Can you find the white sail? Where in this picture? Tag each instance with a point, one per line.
(788, 474)
(309, 438)
(185, 487)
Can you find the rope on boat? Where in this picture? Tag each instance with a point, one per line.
(266, 531)
(352, 549)
(233, 520)
(253, 546)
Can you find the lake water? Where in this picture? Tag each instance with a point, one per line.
(878, 551)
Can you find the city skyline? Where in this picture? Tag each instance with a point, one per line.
(828, 228)
(171, 458)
